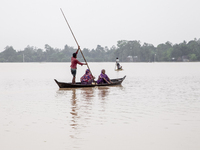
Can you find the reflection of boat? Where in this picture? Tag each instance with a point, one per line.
(117, 81)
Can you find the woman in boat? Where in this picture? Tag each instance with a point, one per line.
(103, 78)
(74, 63)
(87, 78)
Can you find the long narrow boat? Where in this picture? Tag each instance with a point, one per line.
(117, 81)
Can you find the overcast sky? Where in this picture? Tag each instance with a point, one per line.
(97, 22)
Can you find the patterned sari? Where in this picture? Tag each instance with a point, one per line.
(87, 77)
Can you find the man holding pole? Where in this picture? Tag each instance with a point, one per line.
(74, 63)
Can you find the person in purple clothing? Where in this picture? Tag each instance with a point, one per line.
(103, 78)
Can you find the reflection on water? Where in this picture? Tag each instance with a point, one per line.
(82, 102)
(87, 93)
(74, 111)
(103, 92)
(157, 108)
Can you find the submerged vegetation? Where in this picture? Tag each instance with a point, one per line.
(126, 51)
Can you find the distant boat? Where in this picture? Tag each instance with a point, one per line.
(117, 81)
(118, 69)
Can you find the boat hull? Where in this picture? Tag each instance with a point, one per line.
(118, 69)
(79, 85)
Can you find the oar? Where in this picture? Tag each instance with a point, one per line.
(75, 40)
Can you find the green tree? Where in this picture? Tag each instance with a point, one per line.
(176, 53)
(8, 55)
(192, 57)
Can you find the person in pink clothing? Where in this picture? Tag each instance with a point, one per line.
(74, 63)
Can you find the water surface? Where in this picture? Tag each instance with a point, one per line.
(157, 107)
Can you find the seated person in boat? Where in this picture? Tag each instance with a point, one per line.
(87, 78)
(103, 78)
(118, 65)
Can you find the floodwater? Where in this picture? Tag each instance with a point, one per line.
(157, 107)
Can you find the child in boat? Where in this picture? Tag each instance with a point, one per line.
(87, 78)
(103, 78)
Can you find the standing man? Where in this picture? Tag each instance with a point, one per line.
(74, 63)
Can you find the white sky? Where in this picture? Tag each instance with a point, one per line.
(97, 22)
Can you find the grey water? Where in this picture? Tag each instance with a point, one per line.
(157, 107)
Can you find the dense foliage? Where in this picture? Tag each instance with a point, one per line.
(125, 51)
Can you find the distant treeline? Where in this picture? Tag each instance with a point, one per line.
(126, 51)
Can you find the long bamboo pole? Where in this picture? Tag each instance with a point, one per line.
(75, 40)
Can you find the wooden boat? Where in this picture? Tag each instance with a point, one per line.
(118, 69)
(117, 81)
